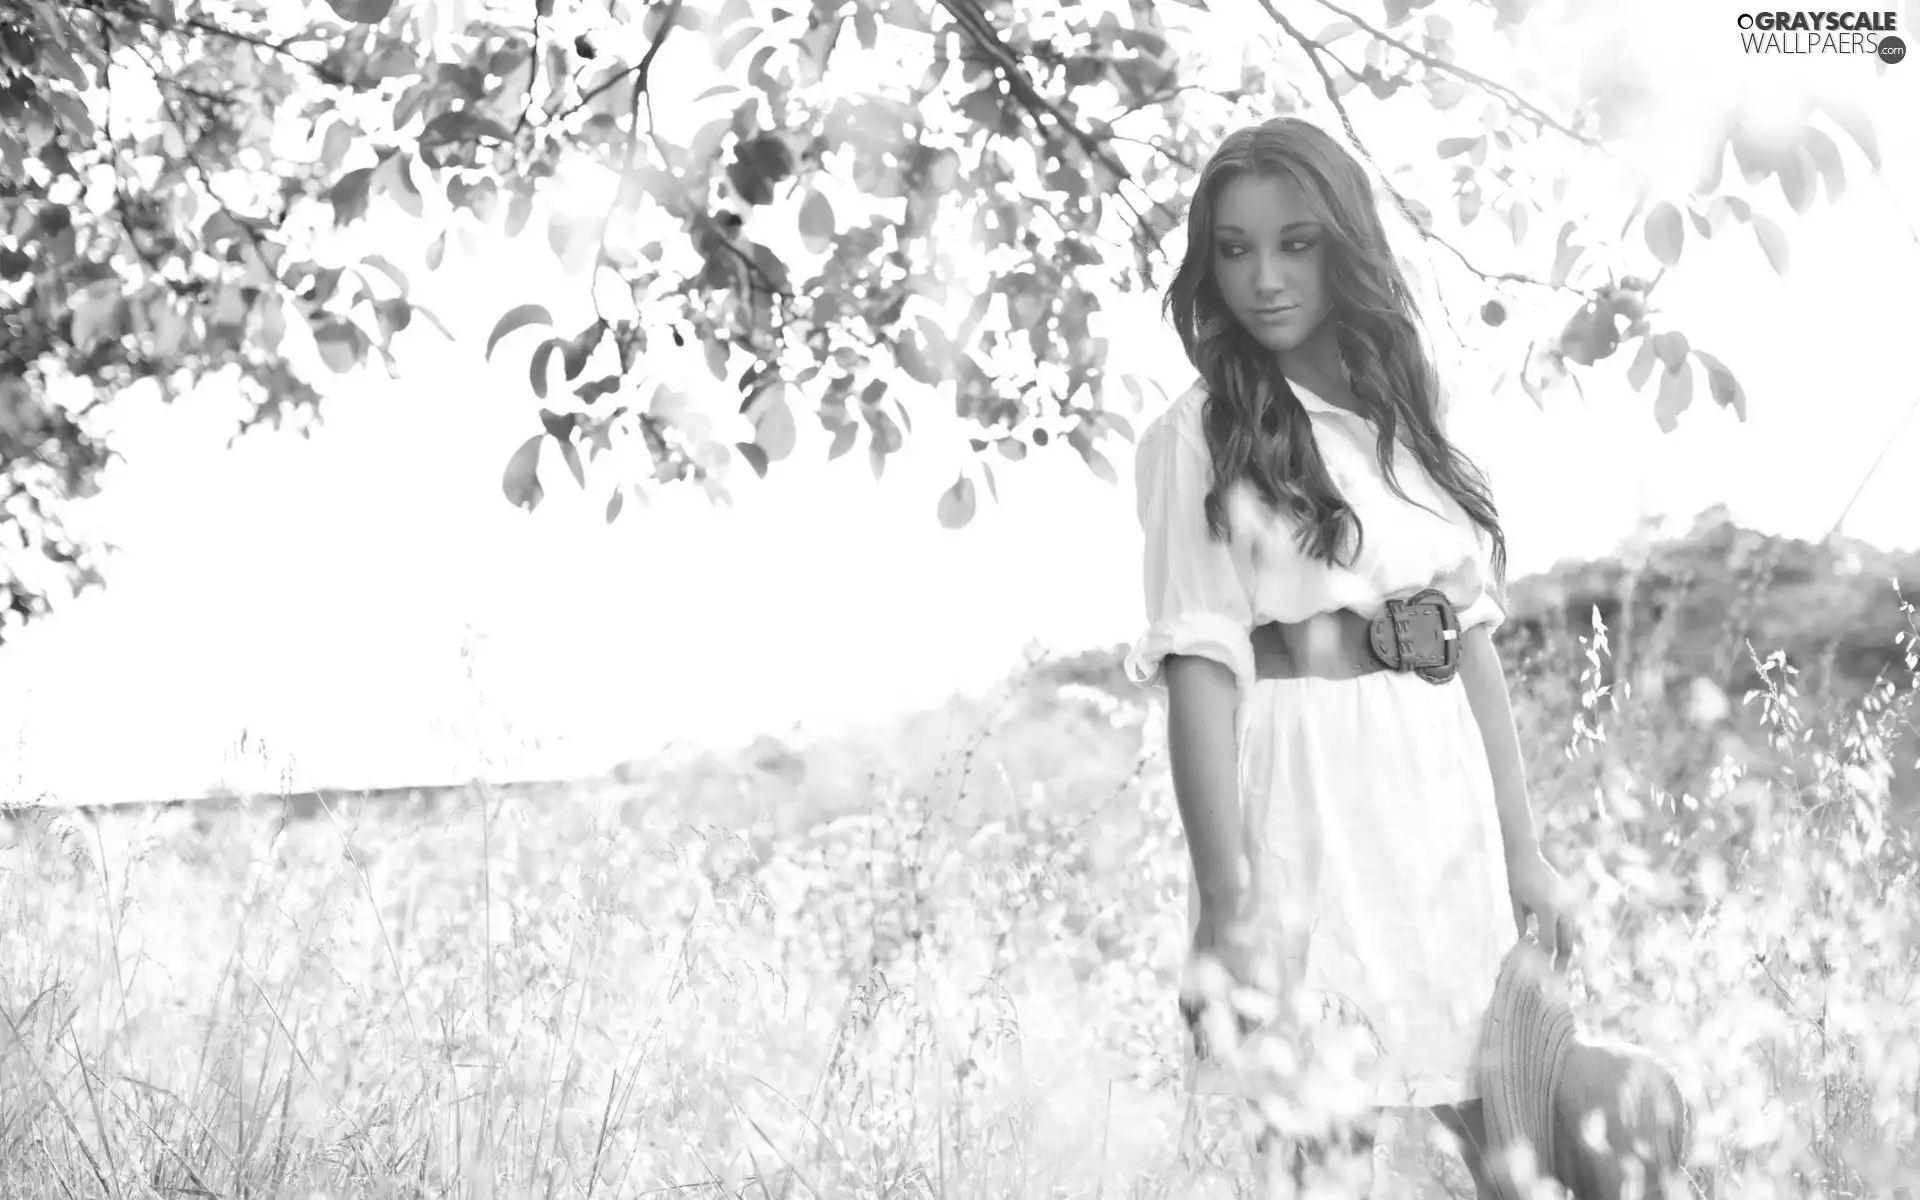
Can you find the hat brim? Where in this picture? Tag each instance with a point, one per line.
(1528, 1034)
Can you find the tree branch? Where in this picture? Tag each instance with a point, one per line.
(640, 68)
(1440, 64)
(136, 15)
(533, 74)
(1873, 470)
(640, 72)
(967, 14)
(1497, 277)
(1313, 50)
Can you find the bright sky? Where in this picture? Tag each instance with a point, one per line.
(364, 608)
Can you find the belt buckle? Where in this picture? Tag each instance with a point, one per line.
(1392, 635)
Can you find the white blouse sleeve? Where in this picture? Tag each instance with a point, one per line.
(1490, 607)
(1196, 600)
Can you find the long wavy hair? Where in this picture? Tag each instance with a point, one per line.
(1256, 427)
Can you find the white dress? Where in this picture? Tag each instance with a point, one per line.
(1367, 803)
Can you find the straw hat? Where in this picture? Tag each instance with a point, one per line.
(1595, 1115)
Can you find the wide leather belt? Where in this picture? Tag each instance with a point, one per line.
(1420, 634)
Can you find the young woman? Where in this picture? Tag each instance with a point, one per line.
(1351, 788)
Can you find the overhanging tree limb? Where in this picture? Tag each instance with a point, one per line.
(980, 31)
(136, 15)
(1313, 51)
(1478, 80)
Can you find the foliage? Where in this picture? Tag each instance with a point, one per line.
(172, 171)
(949, 972)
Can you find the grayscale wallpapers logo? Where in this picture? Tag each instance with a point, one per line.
(1804, 32)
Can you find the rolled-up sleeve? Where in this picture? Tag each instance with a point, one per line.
(1487, 610)
(1490, 607)
(1196, 600)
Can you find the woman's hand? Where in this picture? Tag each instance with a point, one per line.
(1223, 960)
(1540, 891)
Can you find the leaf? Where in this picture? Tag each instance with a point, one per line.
(772, 418)
(1773, 241)
(957, 504)
(1671, 348)
(514, 318)
(521, 480)
(394, 316)
(379, 263)
(571, 453)
(1665, 233)
(1335, 31)
(518, 210)
(460, 126)
(735, 44)
(914, 361)
(842, 440)
(773, 269)
(349, 196)
(273, 322)
(755, 456)
(1676, 393)
(1012, 448)
(1642, 368)
(339, 140)
(1796, 175)
(1850, 116)
(589, 392)
(816, 223)
(1517, 221)
(615, 503)
(1721, 384)
(1446, 91)
(340, 344)
(577, 351)
(437, 252)
(1566, 254)
(422, 311)
(361, 12)
(537, 370)
(1825, 157)
(394, 178)
(939, 345)
(1450, 147)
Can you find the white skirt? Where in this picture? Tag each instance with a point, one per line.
(1368, 811)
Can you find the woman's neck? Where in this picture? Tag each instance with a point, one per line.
(1316, 364)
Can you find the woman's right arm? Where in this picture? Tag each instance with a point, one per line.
(1199, 645)
(1202, 751)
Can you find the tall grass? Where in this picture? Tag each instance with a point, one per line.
(943, 967)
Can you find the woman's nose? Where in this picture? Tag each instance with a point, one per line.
(1268, 276)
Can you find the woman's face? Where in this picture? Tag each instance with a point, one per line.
(1268, 256)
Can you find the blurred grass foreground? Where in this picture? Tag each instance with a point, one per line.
(940, 961)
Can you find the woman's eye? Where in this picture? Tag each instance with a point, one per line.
(1298, 246)
(1232, 251)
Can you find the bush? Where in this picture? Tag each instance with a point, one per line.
(944, 967)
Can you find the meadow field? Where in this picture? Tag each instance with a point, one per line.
(934, 960)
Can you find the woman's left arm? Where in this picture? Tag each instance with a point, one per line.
(1486, 684)
(1536, 887)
